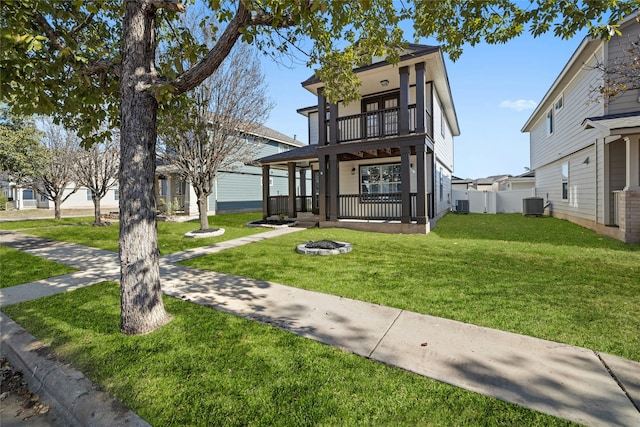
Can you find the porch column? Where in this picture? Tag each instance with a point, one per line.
(431, 178)
(403, 116)
(633, 163)
(322, 187)
(303, 189)
(333, 123)
(405, 176)
(422, 210)
(420, 98)
(291, 199)
(322, 118)
(265, 191)
(334, 179)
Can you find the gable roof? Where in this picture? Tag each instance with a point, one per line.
(585, 50)
(273, 135)
(414, 53)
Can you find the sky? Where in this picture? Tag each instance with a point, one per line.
(495, 89)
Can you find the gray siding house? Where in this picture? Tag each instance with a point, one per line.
(382, 164)
(238, 189)
(586, 155)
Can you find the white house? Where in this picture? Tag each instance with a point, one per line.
(238, 189)
(586, 155)
(382, 164)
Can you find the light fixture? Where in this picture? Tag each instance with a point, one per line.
(586, 161)
(353, 171)
(384, 83)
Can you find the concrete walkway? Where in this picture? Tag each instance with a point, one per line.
(570, 382)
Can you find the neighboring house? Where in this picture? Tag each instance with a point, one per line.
(525, 181)
(491, 183)
(26, 198)
(238, 189)
(461, 184)
(586, 155)
(384, 163)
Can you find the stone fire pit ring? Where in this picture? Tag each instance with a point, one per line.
(324, 247)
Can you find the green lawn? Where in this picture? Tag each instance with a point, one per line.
(170, 234)
(210, 368)
(20, 267)
(542, 277)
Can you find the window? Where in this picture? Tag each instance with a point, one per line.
(379, 180)
(565, 181)
(43, 199)
(27, 194)
(559, 103)
(441, 185)
(443, 124)
(116, 194)
(88, 194)
(550, 122)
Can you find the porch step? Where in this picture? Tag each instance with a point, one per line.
(307, 224)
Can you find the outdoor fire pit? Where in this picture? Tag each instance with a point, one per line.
(324, 247)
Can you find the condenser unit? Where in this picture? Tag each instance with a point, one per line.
(533, 206)
(462, 206)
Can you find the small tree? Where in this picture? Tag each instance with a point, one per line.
(55, 181)
(210, 138)
(21, 154)
(97, 169)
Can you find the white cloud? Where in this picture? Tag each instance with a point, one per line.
(519, 105)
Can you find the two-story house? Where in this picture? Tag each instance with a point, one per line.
(586, 155)
(382, 164)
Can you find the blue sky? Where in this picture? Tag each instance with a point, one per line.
(495, 89)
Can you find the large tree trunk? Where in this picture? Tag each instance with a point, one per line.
(141, 306)
(202, 210)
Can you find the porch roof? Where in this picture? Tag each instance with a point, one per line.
(625, 123)
(307, 152)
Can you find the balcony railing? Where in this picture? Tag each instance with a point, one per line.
(376, 124)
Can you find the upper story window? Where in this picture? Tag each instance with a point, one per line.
(443, 124)
(550, 122)
(559, 103)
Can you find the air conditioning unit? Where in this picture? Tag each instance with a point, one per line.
(462, 206)
(533, 206)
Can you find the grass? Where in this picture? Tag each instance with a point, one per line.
(170, 234)
(210, 368)
(20, 267)
(541, 277)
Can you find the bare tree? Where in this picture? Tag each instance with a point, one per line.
(211, 137)
(619, 74)
(97, 170)
(56, 180)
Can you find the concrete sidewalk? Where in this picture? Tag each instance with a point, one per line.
(574, 383)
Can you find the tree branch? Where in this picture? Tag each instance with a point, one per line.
(212, 60)
(83, 25)
(49, 31)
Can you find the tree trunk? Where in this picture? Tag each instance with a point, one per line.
(96, 211)
(141, 306)
(57, 203)
(202, 209)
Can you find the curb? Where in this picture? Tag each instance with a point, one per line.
(79, 401)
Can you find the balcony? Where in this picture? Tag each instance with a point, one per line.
(376, 124)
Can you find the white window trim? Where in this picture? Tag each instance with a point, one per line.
(564, 192)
